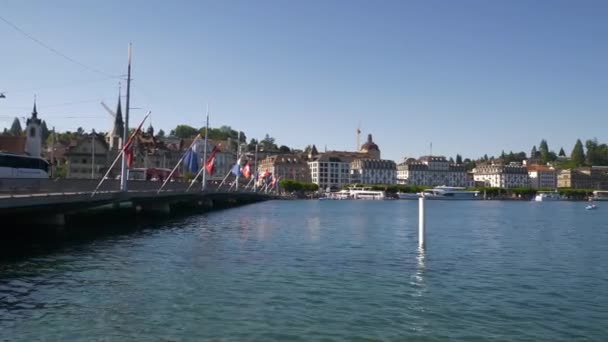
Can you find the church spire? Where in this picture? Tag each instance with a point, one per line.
(34, 112)
(118, 123)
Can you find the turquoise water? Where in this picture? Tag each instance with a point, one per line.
(309, 270)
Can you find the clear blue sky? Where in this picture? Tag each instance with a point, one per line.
(472, 77)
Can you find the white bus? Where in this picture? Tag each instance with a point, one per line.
(22, 166)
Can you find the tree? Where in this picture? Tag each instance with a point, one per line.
(533, 152)
(561, 152)
(80, 131)
(544, 151)
(184, 131)
(458, 159)
(578, 154)
(45, 130)
(284, 149)
(16, 129)
(268, 143)
(160, 134)
(252, 144)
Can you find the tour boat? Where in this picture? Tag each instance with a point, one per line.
(357, 193)
(600, 195)
(408, 195)
(544, 196)
(366, 193)
(450, 193)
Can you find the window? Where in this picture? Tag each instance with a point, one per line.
(32, 132)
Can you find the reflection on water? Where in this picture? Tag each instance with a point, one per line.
(289, 270)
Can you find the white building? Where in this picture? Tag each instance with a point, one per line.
(432, 171)
(373, 171)
(330, 171)
(542, 177)
(502, 176)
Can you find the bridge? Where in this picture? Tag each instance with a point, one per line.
(48, 201)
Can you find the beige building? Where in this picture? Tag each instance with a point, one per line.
(432, 171)
(286, 166)
(89, 157)
(594, 177)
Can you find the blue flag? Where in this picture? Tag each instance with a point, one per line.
(191, 161)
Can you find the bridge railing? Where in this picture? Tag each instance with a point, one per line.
(34, 186)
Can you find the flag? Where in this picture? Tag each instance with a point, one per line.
(192, 160)
(129, 156)
(236, 169)
(247, 170)
(210, 163)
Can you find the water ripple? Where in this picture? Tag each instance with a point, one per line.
(309, 271)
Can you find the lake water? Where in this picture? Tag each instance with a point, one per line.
(309, 270)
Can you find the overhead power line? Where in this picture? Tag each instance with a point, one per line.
(55, 51)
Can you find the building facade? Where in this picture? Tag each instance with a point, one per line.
(542, 177)
(286, 166)
(89, 158)
(432, 171)
(373, 171)
(502, 176)
(594, 177)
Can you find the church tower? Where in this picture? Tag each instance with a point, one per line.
(33, 130)
(114, 138)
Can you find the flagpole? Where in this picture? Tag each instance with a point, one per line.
(238, 160)
(178, 163)
(204, 181)
(122, 152)
(255, 171)
(124, 167)
(223, 180)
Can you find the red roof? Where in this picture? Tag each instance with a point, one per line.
(12, 144)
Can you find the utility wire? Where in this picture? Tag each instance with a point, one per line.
(16, 28)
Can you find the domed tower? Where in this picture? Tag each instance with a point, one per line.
(370, 148)
(33, 142)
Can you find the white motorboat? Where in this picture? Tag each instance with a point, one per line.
(451, 193)
(545, 196)
(600, 195)
(408, 195)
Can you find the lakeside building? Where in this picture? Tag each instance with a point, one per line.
(286, 166)
(542, 176)
(373, 171)
(502, 176)
(332, 169)
(432, 171)
(593, 177)
(89, 157)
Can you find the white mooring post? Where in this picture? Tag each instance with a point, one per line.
(421, 224)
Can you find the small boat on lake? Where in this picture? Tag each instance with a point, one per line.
(591, 207)
(450, 193)
(546, 196)
(600, 195)
(408, 195)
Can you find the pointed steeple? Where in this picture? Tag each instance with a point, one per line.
(34, 112)
(34, 117)
(119, 125)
